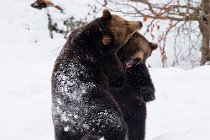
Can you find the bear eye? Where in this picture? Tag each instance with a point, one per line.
(135, 35)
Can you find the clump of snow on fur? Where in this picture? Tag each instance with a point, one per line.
(67, 103)
(71, 109)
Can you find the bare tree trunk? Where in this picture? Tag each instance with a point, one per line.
(50, 26)
(204, 25)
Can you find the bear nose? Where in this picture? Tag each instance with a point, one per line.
(140, 24)
(138, 60)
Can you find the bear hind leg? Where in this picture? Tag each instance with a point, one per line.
(60, 134)
(110, 125)
(116, 134)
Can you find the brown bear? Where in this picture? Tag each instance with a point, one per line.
(140, 88)
(133, 55)
(82, 105)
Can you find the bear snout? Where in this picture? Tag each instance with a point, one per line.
(135, 25)
(140, 24)
(133, 61)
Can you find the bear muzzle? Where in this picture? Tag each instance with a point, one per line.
(133, 61)
(136, 59)
(134, 25)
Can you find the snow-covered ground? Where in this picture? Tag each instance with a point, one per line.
(27, 55)
(182, 108)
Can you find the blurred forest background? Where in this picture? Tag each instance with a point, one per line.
(181, 28)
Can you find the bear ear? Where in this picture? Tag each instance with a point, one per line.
(107, 14)
(106, 39)
(153, 46)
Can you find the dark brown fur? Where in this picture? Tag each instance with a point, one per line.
(140, 88)
(80, 82)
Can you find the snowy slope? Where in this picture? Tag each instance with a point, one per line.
(27, 55)
(182, 108)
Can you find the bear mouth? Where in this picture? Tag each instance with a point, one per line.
(132, 62)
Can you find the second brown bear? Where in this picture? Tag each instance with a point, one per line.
(140, 88)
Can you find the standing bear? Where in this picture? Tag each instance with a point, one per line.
(140, 88)
(82, 104)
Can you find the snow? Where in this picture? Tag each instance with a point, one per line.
(181, 110)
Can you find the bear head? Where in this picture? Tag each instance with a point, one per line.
(137, 50)
(109, 32)
(119, 28)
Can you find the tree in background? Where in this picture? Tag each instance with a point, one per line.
(189, 20)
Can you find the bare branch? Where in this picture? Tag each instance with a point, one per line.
(177, 15)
